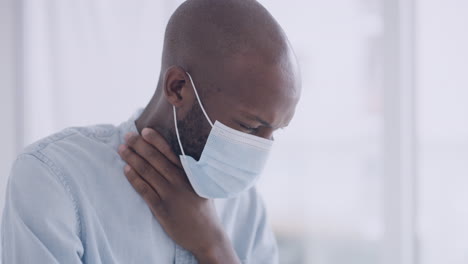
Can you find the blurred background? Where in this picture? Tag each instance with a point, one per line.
(374, 167)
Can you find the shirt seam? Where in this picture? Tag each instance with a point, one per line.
(60, 176)
(95, 134)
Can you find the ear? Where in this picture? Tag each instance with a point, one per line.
(175, 85)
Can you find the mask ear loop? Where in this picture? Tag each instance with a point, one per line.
(177, 132)
(187, 168)
(199, 101)
(175, 115)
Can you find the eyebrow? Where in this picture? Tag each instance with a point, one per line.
(258, 119)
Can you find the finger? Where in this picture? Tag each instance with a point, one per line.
(144, 169)
(154, 157)
(151, 197)
(154, 138)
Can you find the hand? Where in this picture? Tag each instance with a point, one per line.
(157, 175)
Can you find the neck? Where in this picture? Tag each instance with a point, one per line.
(155, 116)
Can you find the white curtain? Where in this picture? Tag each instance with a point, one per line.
(88, 62)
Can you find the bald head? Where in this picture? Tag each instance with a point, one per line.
(211, 34)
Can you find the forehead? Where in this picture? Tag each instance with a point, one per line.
(252, 88)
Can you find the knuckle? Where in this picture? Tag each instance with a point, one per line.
(131, 140)
(125, 152)
(143, 189)
(155, 201)
(130, 176)
(152, 154)
(166, 169)
(166, 148)
(161, 208)
(144, 169)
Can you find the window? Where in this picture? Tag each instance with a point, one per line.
(323, 182)
(442, 63)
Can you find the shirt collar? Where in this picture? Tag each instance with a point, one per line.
(129, 125)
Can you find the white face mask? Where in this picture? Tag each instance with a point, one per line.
(230, 163)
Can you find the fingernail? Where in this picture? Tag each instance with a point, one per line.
(122, 148)
(128, 135)
(127, 168)
(145, 132)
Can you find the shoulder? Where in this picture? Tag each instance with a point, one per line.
(69, 148)
(98, 133)
(36, 194)
(40, 169)
(40, 214)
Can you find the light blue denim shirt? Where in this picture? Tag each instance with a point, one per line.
(68, 201)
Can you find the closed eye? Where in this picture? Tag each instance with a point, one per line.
(248, 128)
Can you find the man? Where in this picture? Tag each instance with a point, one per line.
(173, 184)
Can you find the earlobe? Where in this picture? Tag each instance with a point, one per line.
(174, 82)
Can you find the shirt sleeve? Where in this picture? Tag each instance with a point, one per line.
(40, 223)
(265, 249)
